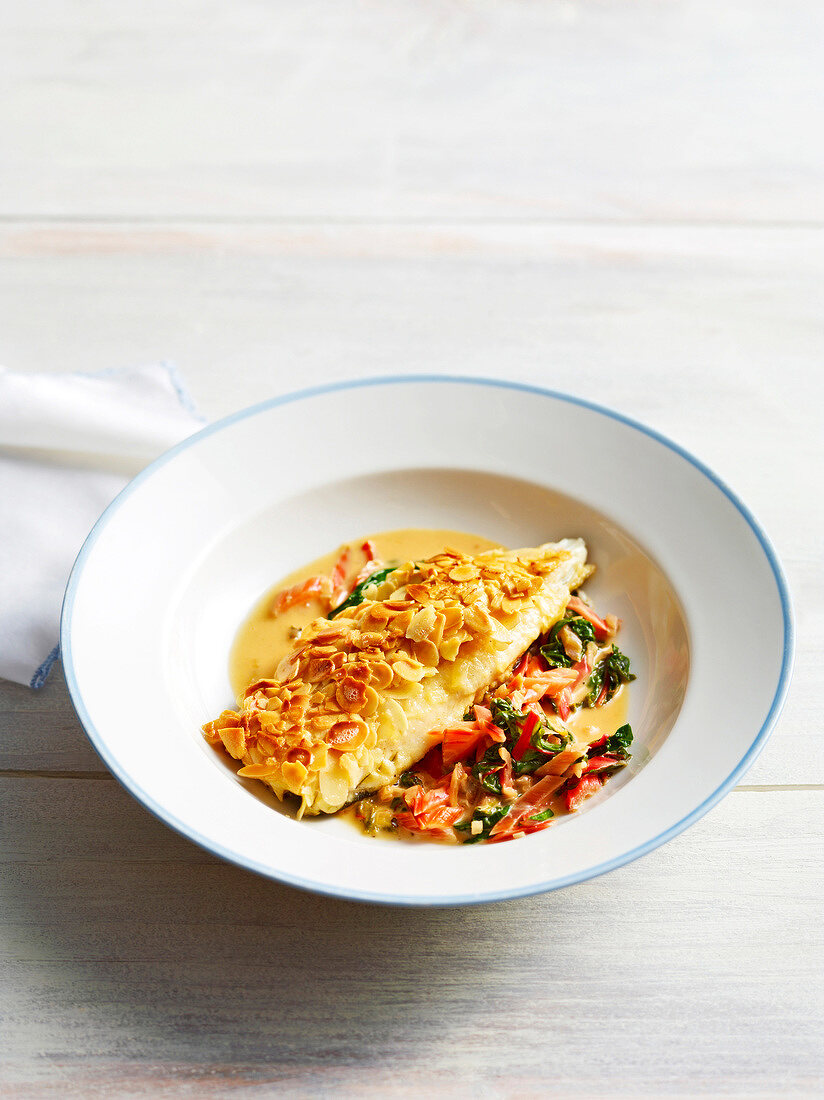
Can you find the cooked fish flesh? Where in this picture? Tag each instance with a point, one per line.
(363, 696)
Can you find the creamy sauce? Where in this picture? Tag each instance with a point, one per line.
(589, 724)
(263, 639)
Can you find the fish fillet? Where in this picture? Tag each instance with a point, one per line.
(363, 696)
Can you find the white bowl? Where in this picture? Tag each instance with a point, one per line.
(179, 558)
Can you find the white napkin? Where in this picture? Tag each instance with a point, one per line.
(68, 445)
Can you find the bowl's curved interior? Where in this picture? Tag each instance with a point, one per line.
(244, 560)
(174, 565)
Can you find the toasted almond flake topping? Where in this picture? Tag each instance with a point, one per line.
(294, 775)
(407, 669)
(351, 694)
(381, 674)
(349, 763)
(421, 624)
(347, 735)
(436, 633)
(453, 618)
(510, 606)
(400, 623)
(287, 667)
(449, 648)
(234, 741)
(478, 620)
(260, 771)
(427, 653)
(370, 704)
(467, 572)
(318, 668)
(418, 592)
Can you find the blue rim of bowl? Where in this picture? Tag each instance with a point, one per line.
(354, 894)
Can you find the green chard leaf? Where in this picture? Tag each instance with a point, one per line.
(595, 683)
(488, 818)
(555, 655)
(615, 666)
(545, 815)
(549, 740)
(618, 664)
(508, 718)
(580, 626)
(553, 651)
(529, 762)
(619, 742)
(487, 768)
(366, 812)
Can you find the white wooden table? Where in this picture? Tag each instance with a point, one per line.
(624, 200)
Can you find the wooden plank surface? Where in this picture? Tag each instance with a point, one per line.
(133, 961)
(336, 108)
(623, 201)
